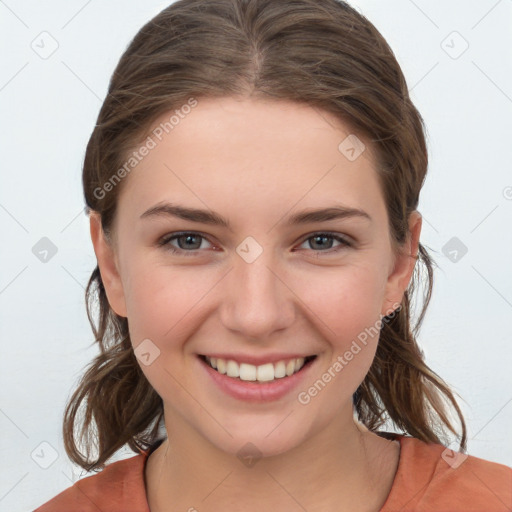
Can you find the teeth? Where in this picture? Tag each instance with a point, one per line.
(247, 371)
(221, 366)
(232, 369)
(280, 370)
(263, 373)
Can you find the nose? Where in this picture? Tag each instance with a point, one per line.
(257, 299)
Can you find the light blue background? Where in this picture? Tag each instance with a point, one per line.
(49, 107)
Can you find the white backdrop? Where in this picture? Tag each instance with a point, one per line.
(57, 59)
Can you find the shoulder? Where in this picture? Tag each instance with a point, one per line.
(433, 477)
(118, 488)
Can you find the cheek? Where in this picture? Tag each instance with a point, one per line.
(161, 304)
(347, 313)
(346, 307)
(345, 301)
(341, 301)
(158, 299)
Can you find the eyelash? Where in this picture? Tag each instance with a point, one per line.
(165, 242)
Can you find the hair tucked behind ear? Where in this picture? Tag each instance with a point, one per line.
(399, 385)
(120, 400)
(322, 53)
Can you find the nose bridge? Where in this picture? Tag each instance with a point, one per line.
(257, 301)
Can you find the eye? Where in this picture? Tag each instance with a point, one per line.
(189, 243)
(321, 241)
(185, 240)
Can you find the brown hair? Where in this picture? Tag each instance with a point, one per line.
(322, 53)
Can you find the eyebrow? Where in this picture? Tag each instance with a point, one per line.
(209, 217)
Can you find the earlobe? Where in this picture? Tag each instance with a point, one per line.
(108, 265)
(403, 269)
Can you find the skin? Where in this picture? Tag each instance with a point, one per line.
(255, 163)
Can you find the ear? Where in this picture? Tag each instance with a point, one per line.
(404, 263)
(108, 265)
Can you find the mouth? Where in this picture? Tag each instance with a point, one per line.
(268, 372)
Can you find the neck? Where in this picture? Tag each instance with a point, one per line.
(340, 468)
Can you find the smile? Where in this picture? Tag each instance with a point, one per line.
(263, 373)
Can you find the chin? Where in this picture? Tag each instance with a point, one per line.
(259, 437)
(249, 448)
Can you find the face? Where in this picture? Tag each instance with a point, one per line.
(264, 288)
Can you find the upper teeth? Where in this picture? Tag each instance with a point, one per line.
(262, 373)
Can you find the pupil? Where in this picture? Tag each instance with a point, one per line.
(188, 238)
(316, 238)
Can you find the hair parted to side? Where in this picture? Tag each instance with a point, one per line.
(322, 53)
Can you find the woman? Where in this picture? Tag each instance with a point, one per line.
(237, 139)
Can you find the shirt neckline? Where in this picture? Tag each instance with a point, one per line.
(402, 440)
(392, 436)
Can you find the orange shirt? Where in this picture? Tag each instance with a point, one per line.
(429, 478)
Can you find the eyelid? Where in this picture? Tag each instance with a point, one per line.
(334, 234)
(165, 239)
(345, 241)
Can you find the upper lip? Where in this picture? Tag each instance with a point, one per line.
(257, 360)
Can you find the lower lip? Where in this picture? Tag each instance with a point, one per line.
(251, 391)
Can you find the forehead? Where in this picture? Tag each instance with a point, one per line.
(253, 156)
